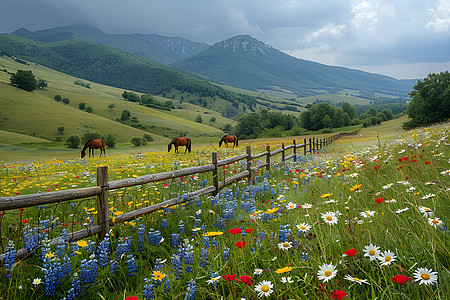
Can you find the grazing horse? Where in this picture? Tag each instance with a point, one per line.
(229, 139)
(94, 144)
(180, 141)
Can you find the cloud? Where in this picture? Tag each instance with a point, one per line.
(239, 22)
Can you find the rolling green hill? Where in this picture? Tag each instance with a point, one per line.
(37, 115)
(113, 67)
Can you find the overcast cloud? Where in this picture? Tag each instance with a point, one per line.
(403, 39)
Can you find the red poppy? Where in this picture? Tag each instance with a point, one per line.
(406, 178)
(379, 200)
(249, 230)
(401, 167)
(401, 279)
(427, 162)
(229, 277)
(376, 168)
(246, 279)
(131, 298)
(351, 252)
(25, 221)
(240, 244)
(338, 294)
(235, 230)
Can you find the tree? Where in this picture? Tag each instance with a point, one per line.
(125, 116)
(73, 141)
(110, 141)
(57, 98)
(199, 119)
(136, 141)
(111, 105)
(212, 119)
(91, 136)
(42, 83)
(430, 100)
(66, 101)
(60, 129)
(89, 109)
(349, 109)
(148, 137)
(24, 80)
(82, 105)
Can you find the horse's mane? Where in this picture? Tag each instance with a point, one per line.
(172, 141)
(86, 145)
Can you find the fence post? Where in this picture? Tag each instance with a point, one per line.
(282, 153)
(313, 145)
(215, 175)
(268, 158)
(102, 201)
(295, 151)
(310, 146)
(304, 147)
(249, 163)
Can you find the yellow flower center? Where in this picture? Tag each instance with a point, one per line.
(328, 273)
(372, 252)
(329, 218)
(435, 221)
(286, 244)
(387, 258)
(265, 288)
(356, 279)
(426, 209)
(425, 276)
(368, 214)
(302, 227)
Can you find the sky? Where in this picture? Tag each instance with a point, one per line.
(405, 39)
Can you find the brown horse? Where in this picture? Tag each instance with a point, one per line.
(180, 141)
(94, 144)
(229, 139)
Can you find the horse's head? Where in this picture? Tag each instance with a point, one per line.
(169, 147)
(220, 143)
(83, 153)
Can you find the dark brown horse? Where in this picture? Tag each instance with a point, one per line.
(180, 141)
(229, 139)
(94, 144)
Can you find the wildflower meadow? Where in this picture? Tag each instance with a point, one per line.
(358, 220)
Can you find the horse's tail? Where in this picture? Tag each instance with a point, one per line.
(189, 145)
(237, 142)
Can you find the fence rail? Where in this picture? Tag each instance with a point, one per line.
(103, 186)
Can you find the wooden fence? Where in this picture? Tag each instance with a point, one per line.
(103, 186)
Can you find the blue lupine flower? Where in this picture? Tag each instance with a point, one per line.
(181, 227)
(175, 239)
(206, 241)
(226, 254)
(177, 265)
(204, 255)
(132, 267)
(148, 292)
(10, 257)
(141, 237)
(164, 223)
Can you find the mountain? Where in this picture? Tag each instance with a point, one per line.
(159, 48)
(245, 62)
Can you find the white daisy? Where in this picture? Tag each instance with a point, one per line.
(429, 196)
(37, 281)
(286, 280)
(304, 227)
(386, 258)
(285, 245)
(329, 218)
(390, 201)
(331, 201)
(425, 276)
(372, 251)
(367, 213)
(326, 272)
(387, 186)
(306, 205)
(264, 288)
(291, 205)
(435, 222)
(213, 280)
(425, 211)
(399, 211)
(354, 279)
(258, 272)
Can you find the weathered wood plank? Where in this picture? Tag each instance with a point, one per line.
(231, 160)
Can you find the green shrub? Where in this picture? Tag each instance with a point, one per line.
(73, 141)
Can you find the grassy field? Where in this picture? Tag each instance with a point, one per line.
(303, 230)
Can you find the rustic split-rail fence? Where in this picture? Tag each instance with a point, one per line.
(104, 186)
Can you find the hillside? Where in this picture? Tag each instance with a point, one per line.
(159, 48)
(38, 114)
(113, 67)
(244, 62)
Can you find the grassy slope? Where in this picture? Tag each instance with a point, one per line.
(158, 123)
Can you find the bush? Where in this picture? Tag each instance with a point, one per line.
(148, 137)
(136, 141)
(24, 80)
(57, 98)
(92, 136)
(110, 141)
(73, 141)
